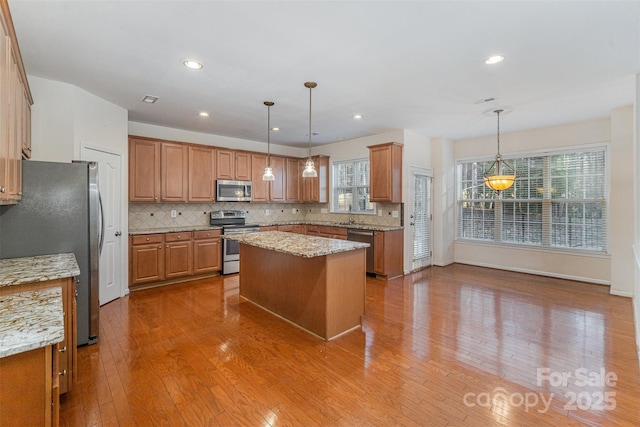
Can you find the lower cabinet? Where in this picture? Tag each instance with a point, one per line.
(29, 388)
(167, 257)
(388, 250)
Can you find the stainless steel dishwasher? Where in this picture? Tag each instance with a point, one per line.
(365, 236)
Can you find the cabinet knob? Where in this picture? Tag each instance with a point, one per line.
(63, 373)
(2, 189)
(160, 247)
(148, 239)
(63, 349)
(19, 193)
(179, 237)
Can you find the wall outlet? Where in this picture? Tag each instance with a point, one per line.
(173, 213)
(266, 212)
(294, 210)
(394, 214)
(379, 212)
(323, 210)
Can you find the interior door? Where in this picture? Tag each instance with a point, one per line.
(420, 219)
(109, 182)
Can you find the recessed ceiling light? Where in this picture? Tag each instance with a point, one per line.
(203, 114)
(150, 99)
(357, 116)
(494, 59)
(275, 129)
(193, 64)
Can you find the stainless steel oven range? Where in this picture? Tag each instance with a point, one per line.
(232, 222)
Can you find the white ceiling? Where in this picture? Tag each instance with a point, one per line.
(414, 65)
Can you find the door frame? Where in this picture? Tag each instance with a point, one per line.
(408, 241)
(123, 270)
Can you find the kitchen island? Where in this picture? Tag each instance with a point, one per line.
(313, 282)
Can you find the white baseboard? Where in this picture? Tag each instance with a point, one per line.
(621, 294)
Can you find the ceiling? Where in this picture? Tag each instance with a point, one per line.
(416, 65)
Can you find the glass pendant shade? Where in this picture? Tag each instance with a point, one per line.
(494, 177)
(309, 169)
(268, 174)
(268, 171)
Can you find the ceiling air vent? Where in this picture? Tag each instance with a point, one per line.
(482, 101)
(150, 99)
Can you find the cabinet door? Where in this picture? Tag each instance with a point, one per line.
(385, 162)
(178, 259)
(207, 256)
(4, 117)
(293, 180)
(202, 178)
(260, 187)
(276, 187)
(316, 190)
(174, 172)
(225, 164)
(378, 252)
(147, 263)
(243, 166)
(144, 170)
(14, 180)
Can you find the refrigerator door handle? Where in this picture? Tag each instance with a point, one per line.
(101, 237)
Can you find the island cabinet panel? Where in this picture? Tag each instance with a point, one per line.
(323, 295)
(174, 172)
(202, 176)
(385, 163)
(29, 388)
(293, 180)
(144, 170)
(178, 254)
(146, 259)
(207, 252)
(388, 253)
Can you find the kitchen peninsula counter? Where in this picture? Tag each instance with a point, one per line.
(315, 283)
(42, 268)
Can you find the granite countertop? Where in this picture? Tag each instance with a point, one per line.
(16, 271)
(179, 229)
(176, 229)
(296, 244)
(30, 320)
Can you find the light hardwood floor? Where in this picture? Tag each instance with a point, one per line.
(458, 345)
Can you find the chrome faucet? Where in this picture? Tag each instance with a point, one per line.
(351, 220)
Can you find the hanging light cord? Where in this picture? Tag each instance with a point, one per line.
(310, 88)
(268, 135)
(498, 113)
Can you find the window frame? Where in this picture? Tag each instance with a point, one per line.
(332, 205)
(547, 202)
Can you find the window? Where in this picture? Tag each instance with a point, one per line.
(351, 187)
(558, 201)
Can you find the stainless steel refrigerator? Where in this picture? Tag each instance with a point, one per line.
(60, 212)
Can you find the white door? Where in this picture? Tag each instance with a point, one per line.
(420, 219)
(109, 183)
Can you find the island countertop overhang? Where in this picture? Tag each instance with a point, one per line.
(296, 244)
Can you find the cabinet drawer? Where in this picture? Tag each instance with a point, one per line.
(205, 234)
(177, 237)
(146, 238)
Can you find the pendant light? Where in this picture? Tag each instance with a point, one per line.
(268, 172)
(309, 168)
(495, 177)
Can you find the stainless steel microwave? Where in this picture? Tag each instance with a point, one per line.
(233, 191)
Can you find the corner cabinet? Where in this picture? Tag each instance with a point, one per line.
(385, 171)
(15, 111)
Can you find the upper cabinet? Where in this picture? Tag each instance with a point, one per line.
(267, 191)
(234, 165)
(202, 176)
(316, 190)
(293, 179)
(174, 173)
(144, 170)
(15, 111)
(385, 170)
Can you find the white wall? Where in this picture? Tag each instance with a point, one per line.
(636, 204)
(63, 119)
(590, 268)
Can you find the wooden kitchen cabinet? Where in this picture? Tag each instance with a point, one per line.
(385, 167)
(388, 250)
(277, 186)
(260, 188)
(15, 111)
(202, 176)
(174, 173)
(144, 170)
(29, 388)
(293, 179)
(146, 258)
(235, 165)
(207, 251)
(178, 255)
(316, 190)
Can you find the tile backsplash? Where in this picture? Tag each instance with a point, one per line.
(157, 215)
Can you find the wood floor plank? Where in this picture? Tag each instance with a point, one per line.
(451, 346)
